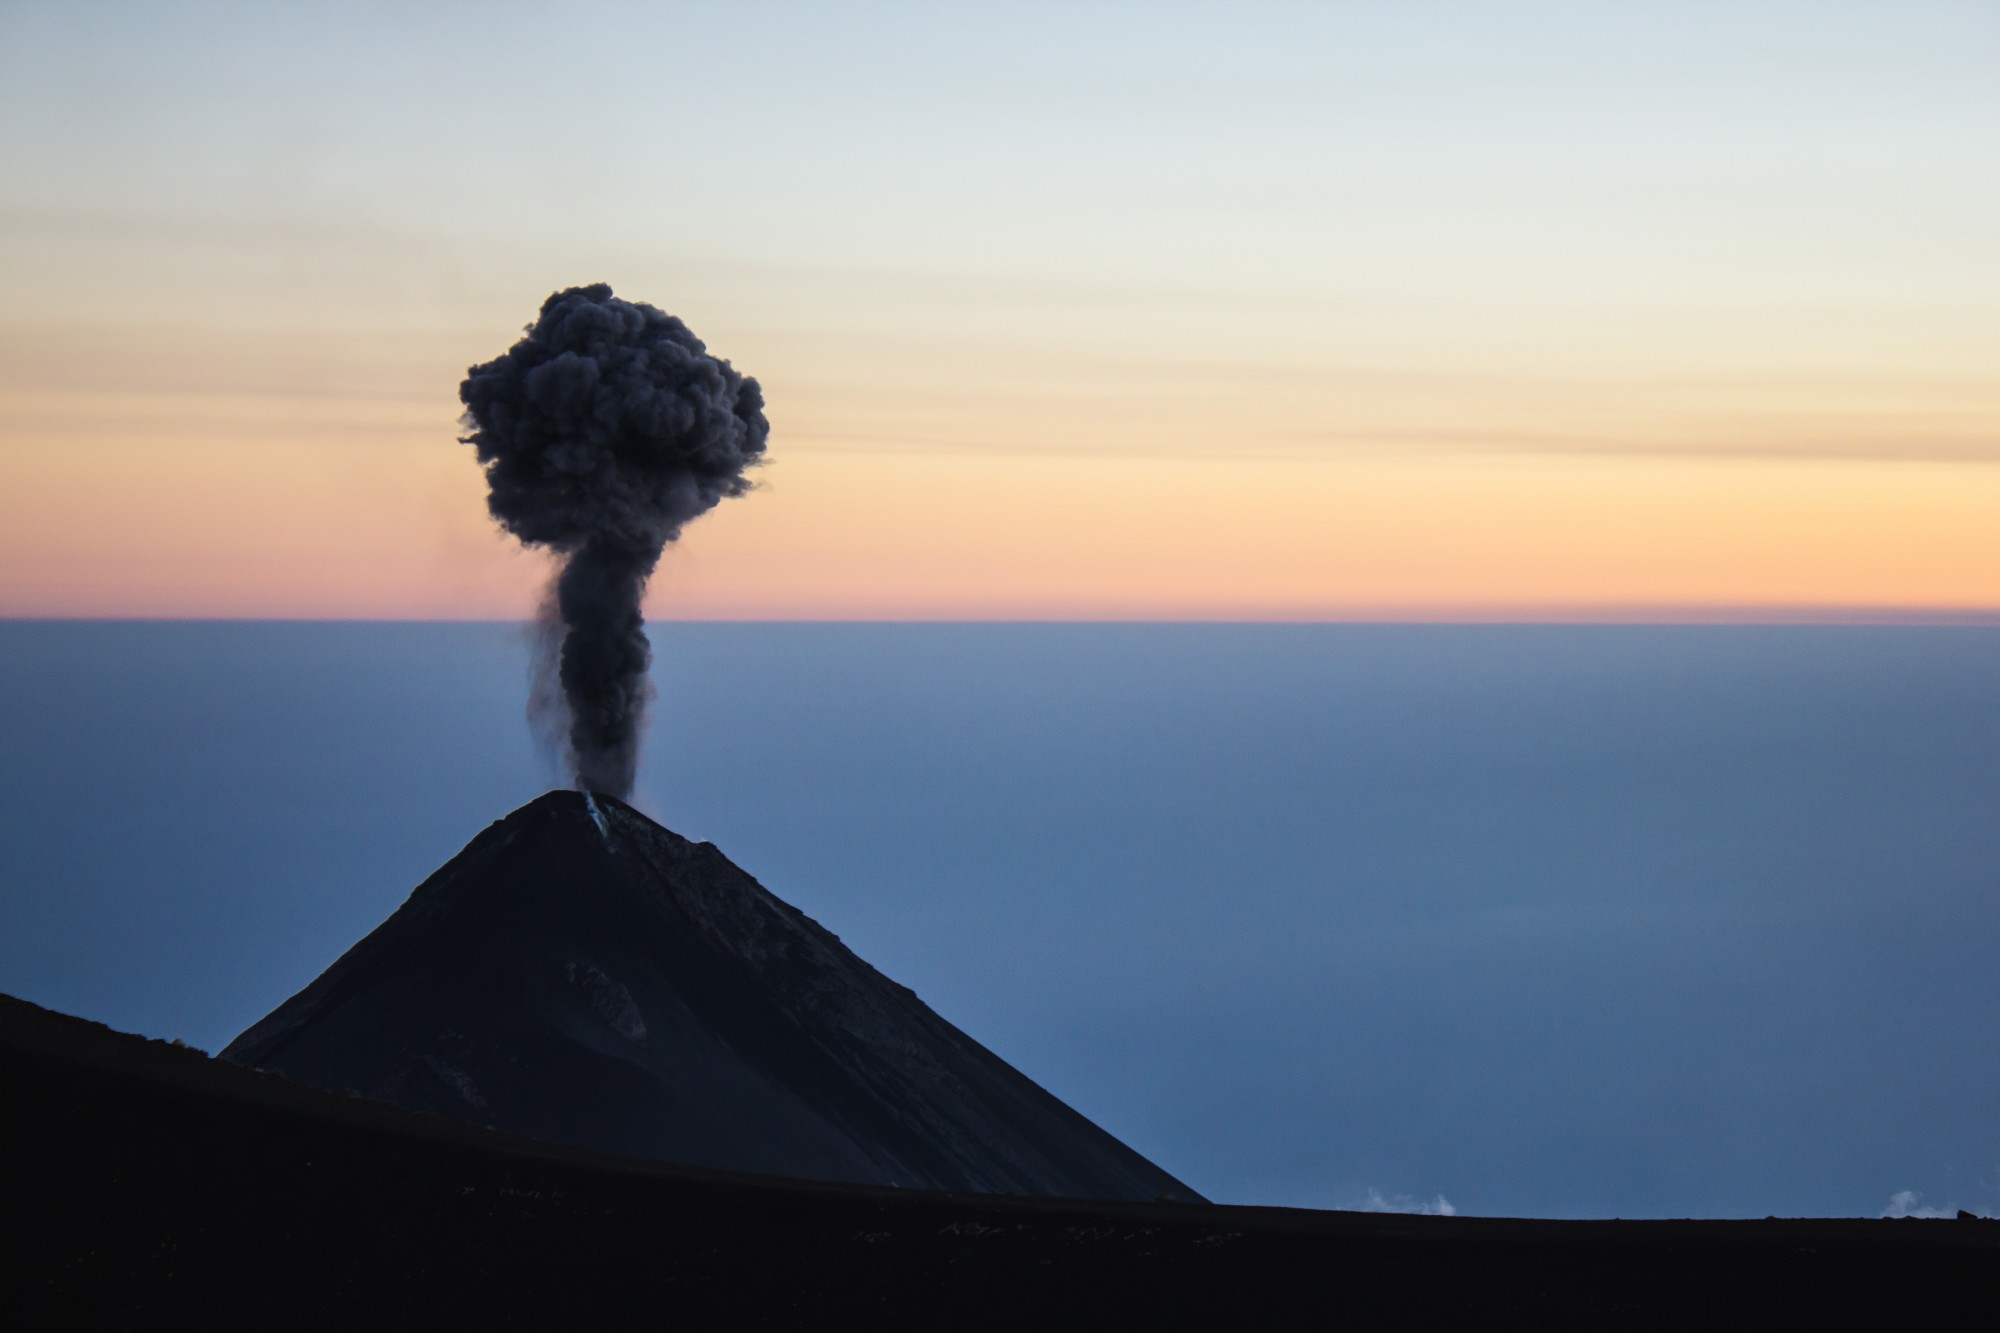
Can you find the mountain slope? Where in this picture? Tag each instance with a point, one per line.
(144, 1185)
(582, 975)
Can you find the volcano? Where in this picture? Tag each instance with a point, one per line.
(581, 975)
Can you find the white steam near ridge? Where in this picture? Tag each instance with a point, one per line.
(1908, 1203)
(1903, 1203)
(1377, 1202)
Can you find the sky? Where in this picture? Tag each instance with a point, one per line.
(1433, 311)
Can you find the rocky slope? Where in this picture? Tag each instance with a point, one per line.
(581, 975)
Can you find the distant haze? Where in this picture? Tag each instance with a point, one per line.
(1571, 921)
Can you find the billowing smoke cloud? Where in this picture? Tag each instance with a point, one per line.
(604, 431)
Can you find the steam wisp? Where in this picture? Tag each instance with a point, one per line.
(604, 431)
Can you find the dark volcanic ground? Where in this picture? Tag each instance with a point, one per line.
(581, 975)
(143, 1182)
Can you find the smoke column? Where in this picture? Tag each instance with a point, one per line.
(604, 431)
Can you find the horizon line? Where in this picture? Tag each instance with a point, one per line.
(1692, 617)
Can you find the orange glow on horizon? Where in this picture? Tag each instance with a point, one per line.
(374, 512)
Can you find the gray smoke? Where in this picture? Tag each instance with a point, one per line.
(604, 430)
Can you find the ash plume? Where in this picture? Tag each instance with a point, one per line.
(604, 431)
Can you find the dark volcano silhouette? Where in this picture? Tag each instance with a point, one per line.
(581, 975)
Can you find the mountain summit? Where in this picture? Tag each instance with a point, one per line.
(582, 975)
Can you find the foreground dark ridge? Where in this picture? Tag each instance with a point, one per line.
(142, 1182)
(581, 975)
